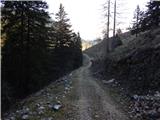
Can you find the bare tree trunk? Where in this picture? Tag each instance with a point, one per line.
(114, 23)
(108, 18)
(108, 22)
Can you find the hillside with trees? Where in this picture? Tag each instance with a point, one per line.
(36, 50)
(133, 66)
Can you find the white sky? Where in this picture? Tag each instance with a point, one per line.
(86, 16)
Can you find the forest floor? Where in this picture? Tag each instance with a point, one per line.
(79, 93)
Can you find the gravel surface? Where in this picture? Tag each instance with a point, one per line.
(93, 103)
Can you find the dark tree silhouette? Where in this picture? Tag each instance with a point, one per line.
(65, 42)
(152, 15)
(24, 51)
(148, 19)
(35, 48)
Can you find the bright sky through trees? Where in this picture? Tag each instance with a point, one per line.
(87, 15)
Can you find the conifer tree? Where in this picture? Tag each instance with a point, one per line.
(148, 19)
(25, 47)
(63, 52)
(137, 16)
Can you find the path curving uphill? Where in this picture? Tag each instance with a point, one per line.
(93, 103)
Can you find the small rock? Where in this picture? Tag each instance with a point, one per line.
(25, 117)
(138, 115)
(146, 107)
(109, 81)
(57, 106)
(135, 97)
(157, 94)
(66, 88)
(24, 111)
(71, 87)
(40, 112)
(12, 118)
(41, 108)
(37, 104)
(70, 74)
(17, 111)
(96, 116)
(27, 109)
(48, 94)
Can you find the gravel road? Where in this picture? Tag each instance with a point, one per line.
(91, 100)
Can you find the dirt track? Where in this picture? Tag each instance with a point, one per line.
(85, 100)
(91, 100)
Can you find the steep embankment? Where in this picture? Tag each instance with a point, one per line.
(136, 71)
(134, 63)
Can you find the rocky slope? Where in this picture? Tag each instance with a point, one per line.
(136, 70)
(44, 104)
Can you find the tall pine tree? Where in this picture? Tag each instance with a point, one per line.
(63, 52)
(137, 18)
(25, 47)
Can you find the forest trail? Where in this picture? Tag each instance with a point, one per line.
(93, 103)
(79, 93)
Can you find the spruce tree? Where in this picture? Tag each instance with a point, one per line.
(25, 47)
(137, 17)
(63, 52)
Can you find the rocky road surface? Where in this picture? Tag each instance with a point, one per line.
(93, 103)
(79, 94)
